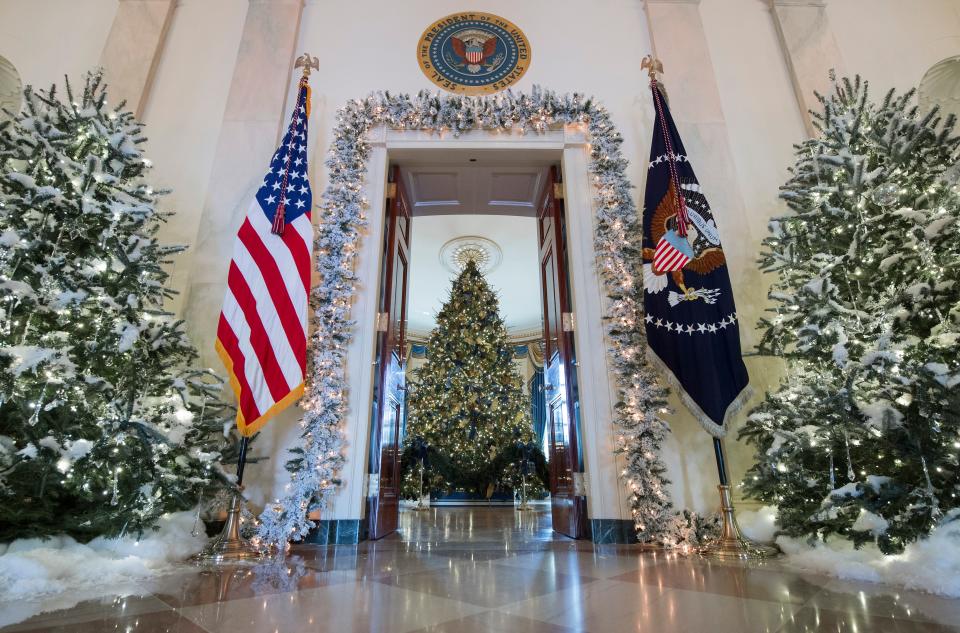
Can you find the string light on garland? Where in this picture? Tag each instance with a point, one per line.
(317, 460)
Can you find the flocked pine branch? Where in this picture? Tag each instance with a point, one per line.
(105, 424)
(861, 439)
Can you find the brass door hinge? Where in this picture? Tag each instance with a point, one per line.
(567, 322)
(558, 190)
(391, 190)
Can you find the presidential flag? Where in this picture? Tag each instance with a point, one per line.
(691, 320)
(262, 333)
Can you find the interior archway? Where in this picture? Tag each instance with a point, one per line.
(369, 134)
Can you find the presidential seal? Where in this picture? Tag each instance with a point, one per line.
(473, 53)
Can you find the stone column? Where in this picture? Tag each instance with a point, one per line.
(133, 48)
(262, 80)
(677, 34)
(809, 49)
(252, 120)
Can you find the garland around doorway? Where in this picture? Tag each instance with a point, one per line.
(641, 404)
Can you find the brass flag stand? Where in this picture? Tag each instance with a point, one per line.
(421, 453)
(524, 506)
(420, 507)
(525, 453)
(732, 544)
(229, 546)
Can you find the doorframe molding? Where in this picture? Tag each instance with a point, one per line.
(568, 144)
(318, 463)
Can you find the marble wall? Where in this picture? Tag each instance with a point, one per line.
(212, 80)
(49, 39)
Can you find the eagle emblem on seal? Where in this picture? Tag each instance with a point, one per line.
(475, 50)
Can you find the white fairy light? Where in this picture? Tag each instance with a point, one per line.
(342, 219)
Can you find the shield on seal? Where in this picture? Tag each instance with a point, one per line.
(474, 53)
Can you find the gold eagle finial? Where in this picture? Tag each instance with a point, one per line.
(306, 62)
(653, 66)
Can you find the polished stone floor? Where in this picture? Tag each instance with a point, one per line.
(460, 570)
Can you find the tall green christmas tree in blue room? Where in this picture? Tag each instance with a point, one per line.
(105, 424)
(467, 401)
(861, 439)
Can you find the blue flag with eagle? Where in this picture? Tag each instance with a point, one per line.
(690, 317)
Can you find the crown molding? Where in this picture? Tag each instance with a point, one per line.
(526, 335)
(517, 337)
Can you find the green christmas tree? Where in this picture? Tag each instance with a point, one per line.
(104, 425)
(467, 401)
(861, 439)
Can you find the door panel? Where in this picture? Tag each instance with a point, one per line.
(569, 508)
(383, 500)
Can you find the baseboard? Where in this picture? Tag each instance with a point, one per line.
(337, 532)
(606, 531)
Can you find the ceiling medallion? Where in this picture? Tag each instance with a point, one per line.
(455, 254)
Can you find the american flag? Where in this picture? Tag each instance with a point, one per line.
(262, 333)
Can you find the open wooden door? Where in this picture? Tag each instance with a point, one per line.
(389, 408)
(569, 503)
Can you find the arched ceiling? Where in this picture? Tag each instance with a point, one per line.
(480, 194)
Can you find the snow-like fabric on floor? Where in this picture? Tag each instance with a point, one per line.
(931, 564)
(32, 568)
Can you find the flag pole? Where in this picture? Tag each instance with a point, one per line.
(229, 546)
(731, 544)
(242, 459)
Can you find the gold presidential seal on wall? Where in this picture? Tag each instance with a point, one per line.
(473, 53)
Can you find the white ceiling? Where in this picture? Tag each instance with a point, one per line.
(516, 279)
(473, 185)
(488, 194)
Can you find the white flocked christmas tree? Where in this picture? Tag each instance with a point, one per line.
(860, 440)
(104, 424)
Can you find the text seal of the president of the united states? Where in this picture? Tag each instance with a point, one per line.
(473, 53)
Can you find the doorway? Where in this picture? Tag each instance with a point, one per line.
(491, 189)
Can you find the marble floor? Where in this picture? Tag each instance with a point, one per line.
(486, 570)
